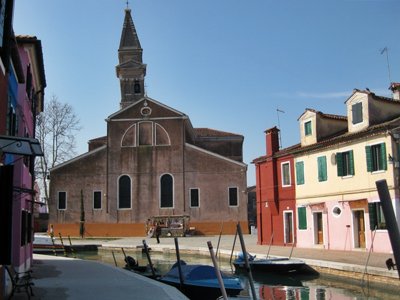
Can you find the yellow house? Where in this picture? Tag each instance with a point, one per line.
(337, 165)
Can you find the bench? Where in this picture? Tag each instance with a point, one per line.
(20, 280)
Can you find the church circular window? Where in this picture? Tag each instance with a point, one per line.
(337, 211)
(145, 111)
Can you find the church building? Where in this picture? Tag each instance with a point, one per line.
(152, 167)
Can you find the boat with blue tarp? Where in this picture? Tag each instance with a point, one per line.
(200, 281)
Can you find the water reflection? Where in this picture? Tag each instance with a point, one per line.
(292, 287)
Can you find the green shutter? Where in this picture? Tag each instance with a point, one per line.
(307, 128)
(368, 155)
(300, 172)
(339, 164)
(373, 222)
(322, 176)
(383, 157)
(357, 113)
(351, 162)
(302, 217)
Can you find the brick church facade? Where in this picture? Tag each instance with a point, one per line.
(152, 165)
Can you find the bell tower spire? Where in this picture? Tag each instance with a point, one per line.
(130, 70)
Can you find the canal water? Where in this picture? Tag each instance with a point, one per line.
(298, 287)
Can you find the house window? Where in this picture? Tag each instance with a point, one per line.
(300, 172)
(233, 196)
(302, 217)
(307, 128)
(345, 163)
(12, 122)
(167, 191)
(376, 157)
(97, 200)
(194, 198)
(62, 200)
(376, 216)
(357, 113)
(285, 168)
(322, 172)
(124, 192)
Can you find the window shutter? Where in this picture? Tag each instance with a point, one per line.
(368, 155)
(302, 217)
(339, 164)
(300, 172)
(351, 162)
(307, 128)
(322, 168)
(383, 156)
(357, 113)
(373, 222)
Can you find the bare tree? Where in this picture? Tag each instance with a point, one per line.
(55, 129)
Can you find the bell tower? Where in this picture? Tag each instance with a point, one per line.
(130, 70)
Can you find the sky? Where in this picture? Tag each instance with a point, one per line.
(240, 66)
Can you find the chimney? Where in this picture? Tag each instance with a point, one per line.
(272, 140)
(395, 88)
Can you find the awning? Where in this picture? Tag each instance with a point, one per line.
(20, 146)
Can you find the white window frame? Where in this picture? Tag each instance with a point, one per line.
(173, 191)
(190, 197)
(237, 196)
(283, 177)
(58, 200)
(130, 206)
(101, 200)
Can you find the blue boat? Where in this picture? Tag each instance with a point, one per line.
(201, 282)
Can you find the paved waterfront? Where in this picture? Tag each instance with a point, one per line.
(65, 278)
(352, 261)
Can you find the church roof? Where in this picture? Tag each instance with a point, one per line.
(208, 132)
(129, 38)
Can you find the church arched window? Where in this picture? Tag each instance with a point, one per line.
(166, 191)
(162, 137)
(145, 133)
(124, 192)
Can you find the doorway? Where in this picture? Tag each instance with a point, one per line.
(318, 228)
(359, 229)
(288, 227)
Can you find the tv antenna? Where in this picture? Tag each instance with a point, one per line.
(279, 126)
(386, 50)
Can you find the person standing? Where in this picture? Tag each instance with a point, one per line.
(158, 232)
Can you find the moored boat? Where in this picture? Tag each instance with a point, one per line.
(273, 264)
(200, 281)
(44, 244)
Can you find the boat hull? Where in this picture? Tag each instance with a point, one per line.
(199, 291)
(272, 265)
(201, 282)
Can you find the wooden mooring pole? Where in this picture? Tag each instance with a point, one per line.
(391, 223)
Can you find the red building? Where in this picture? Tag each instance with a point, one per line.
(276, 196)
